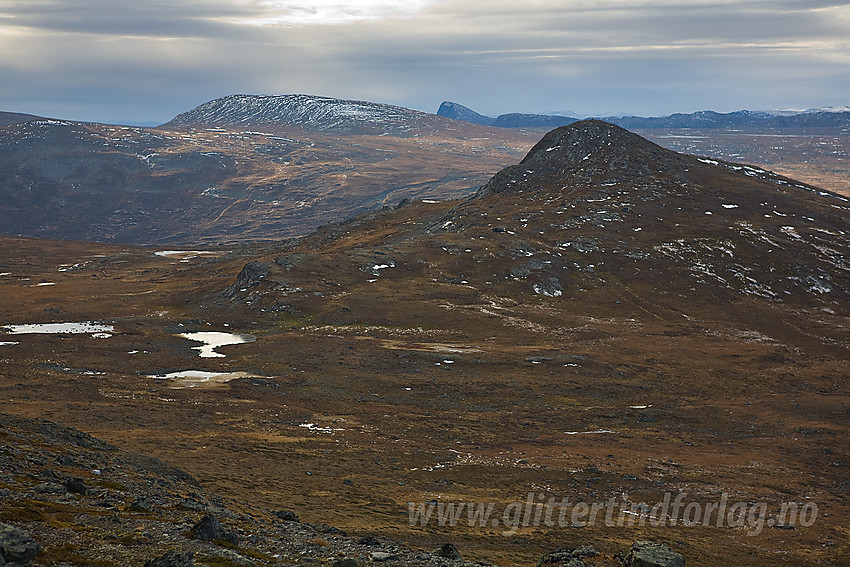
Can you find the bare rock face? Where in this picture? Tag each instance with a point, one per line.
(251, 275)
(457, 111)
(17, 548)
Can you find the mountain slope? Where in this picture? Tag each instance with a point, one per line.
(517, 120)
(155, 510)
(69, 180)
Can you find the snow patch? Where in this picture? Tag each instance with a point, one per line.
(81, 328)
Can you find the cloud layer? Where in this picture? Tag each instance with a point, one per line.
(123, 60)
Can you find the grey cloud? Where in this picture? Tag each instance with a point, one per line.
(501, 56)
(153, 18)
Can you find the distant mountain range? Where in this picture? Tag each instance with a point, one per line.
(822, 117)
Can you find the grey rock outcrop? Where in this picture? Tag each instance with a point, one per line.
(210, 529)
(251, 275)
(567, 557)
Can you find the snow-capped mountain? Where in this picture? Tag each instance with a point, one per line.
(318, 113)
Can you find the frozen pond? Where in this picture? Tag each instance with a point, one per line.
(213, 340)
(181, 254)
(83, 327)
(196, 378)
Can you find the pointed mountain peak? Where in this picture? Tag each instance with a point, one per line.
(579, 141)
(590, 151)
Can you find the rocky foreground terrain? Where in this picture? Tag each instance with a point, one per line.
(72, 499)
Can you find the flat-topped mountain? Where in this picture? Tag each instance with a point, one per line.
(316, 113)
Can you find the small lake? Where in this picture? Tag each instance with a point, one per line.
(212, 340)
(199, 378)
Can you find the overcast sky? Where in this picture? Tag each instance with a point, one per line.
(148, 60)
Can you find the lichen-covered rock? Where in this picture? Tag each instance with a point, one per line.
(652, 554)
(567, 557)
(550, 287)
(17, 548)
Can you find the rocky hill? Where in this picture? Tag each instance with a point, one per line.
(592, 202)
